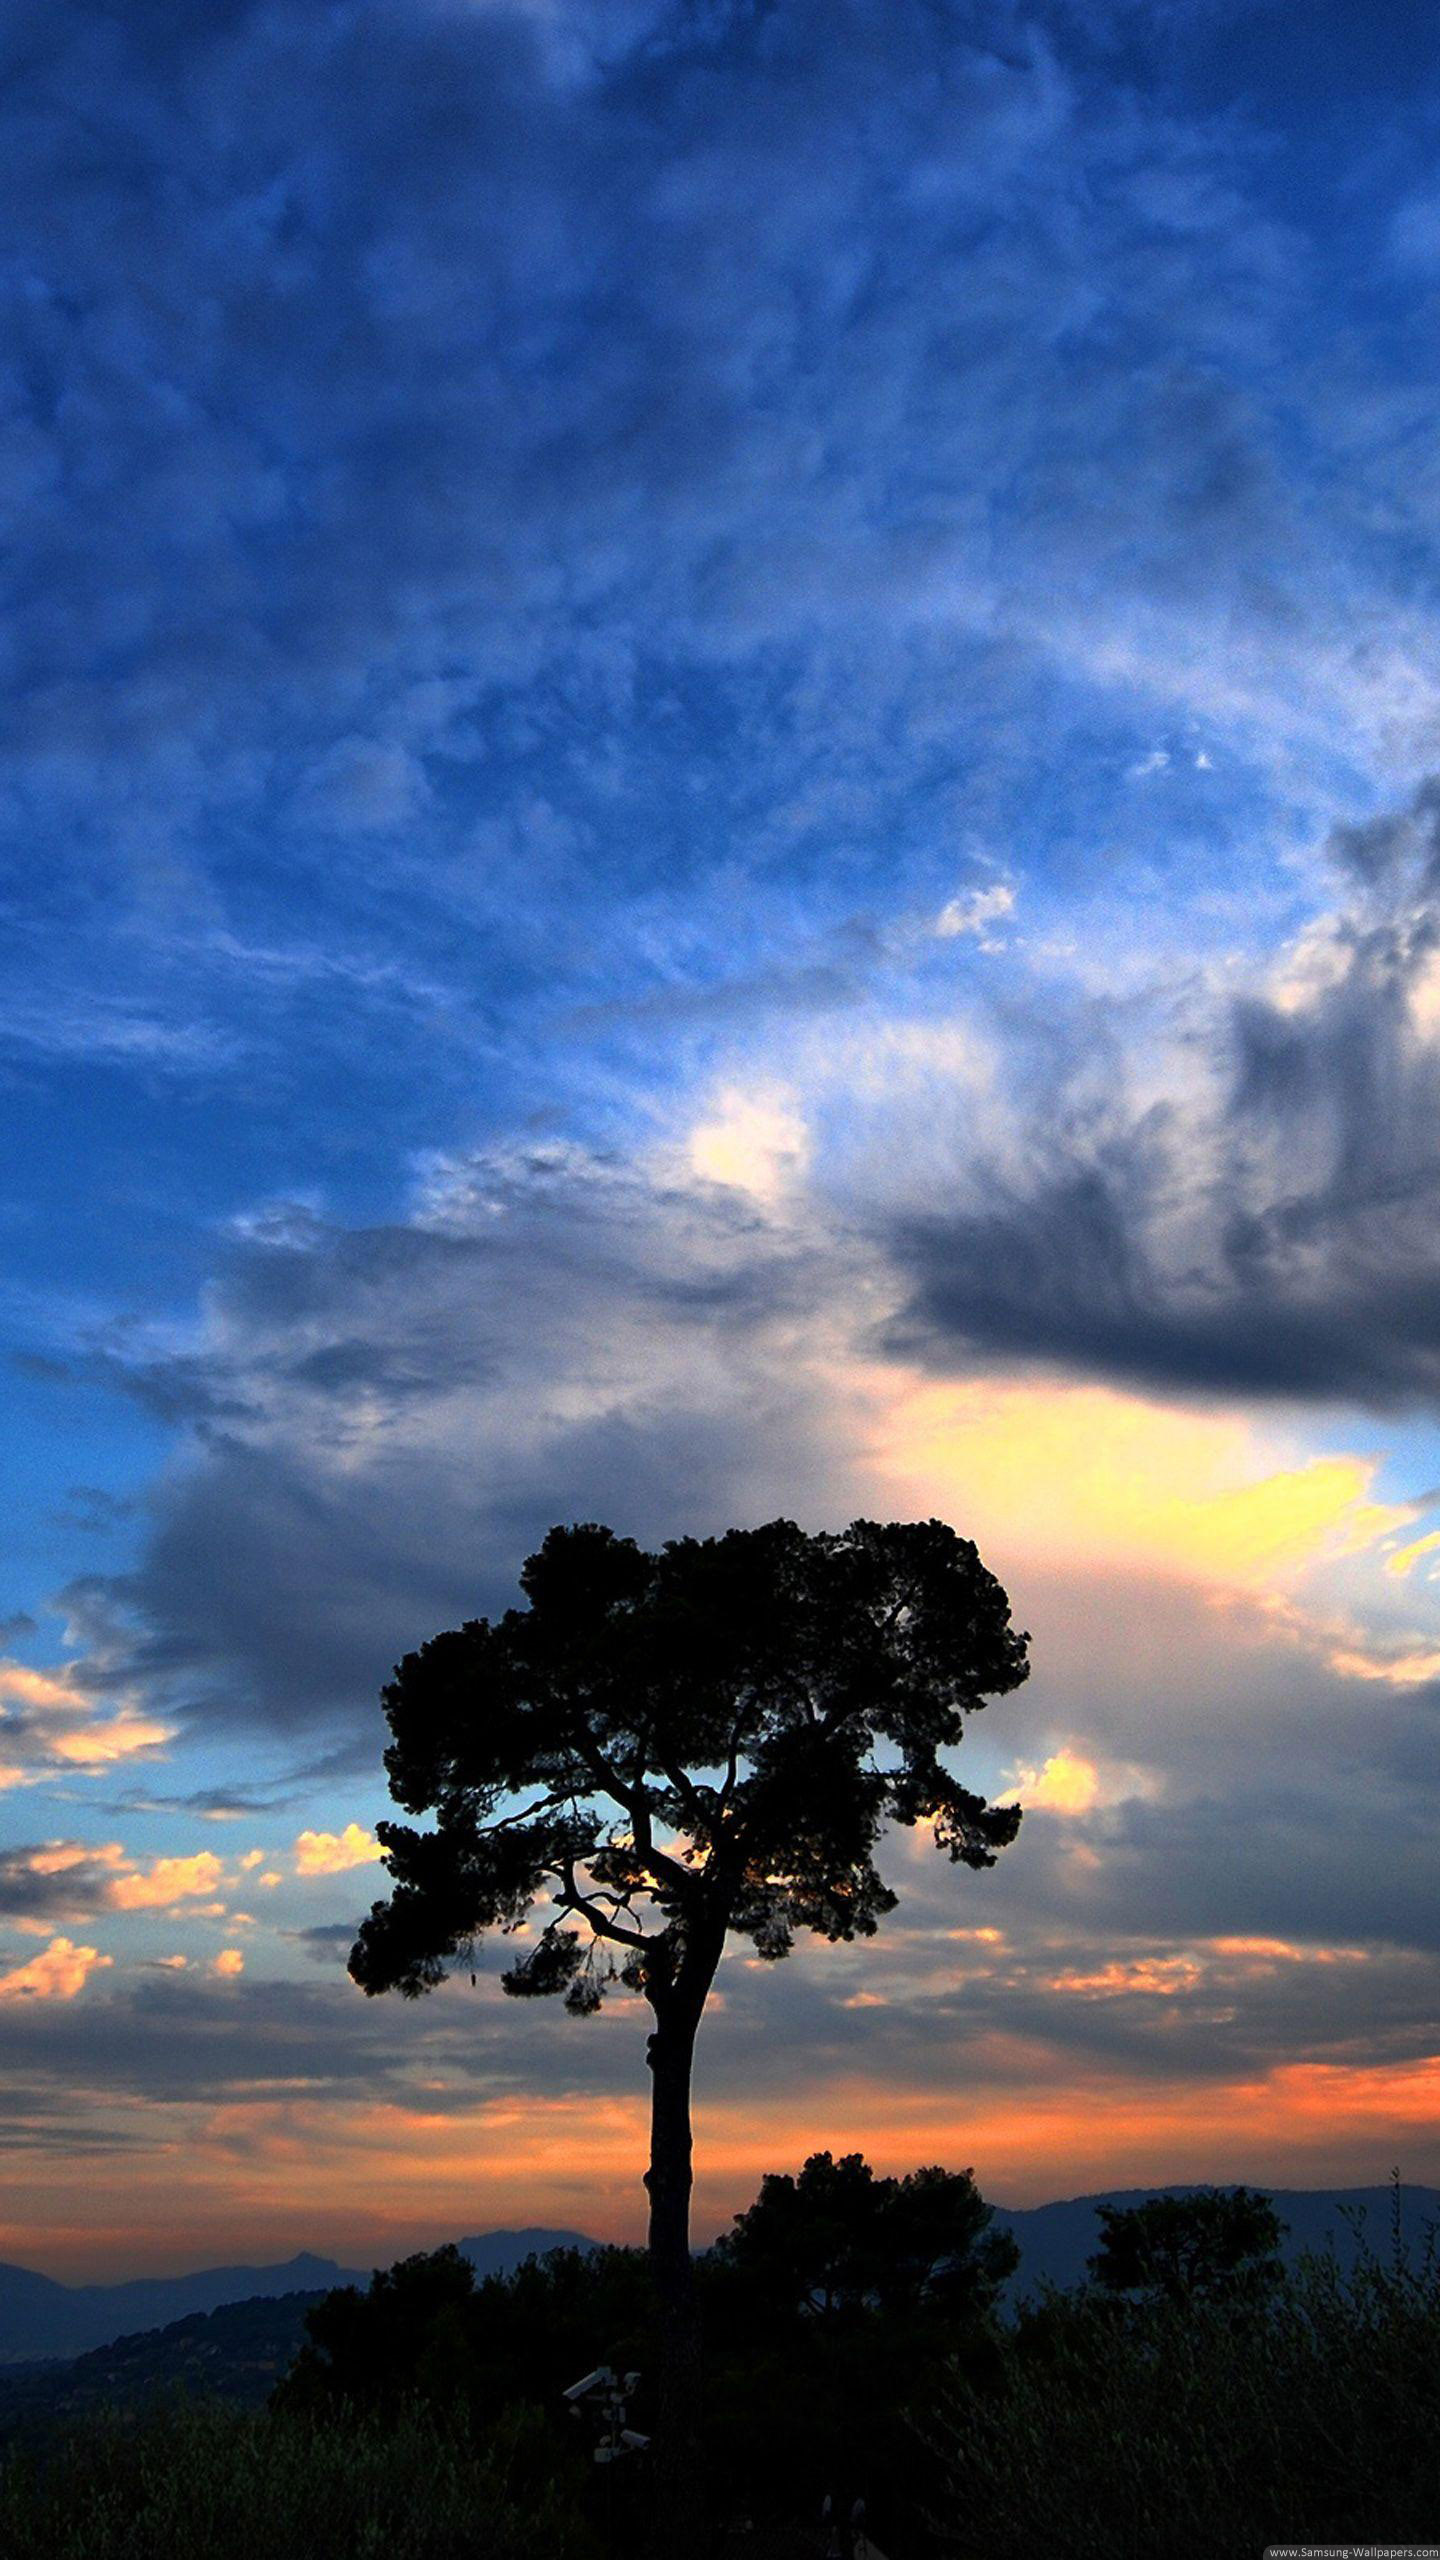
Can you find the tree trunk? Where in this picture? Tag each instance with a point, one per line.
(679, 2007)
(670, 2177)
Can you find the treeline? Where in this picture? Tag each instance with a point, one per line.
(1194, 2395)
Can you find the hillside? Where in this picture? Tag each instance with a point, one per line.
(236, 2354)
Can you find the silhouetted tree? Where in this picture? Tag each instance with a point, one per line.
(405, 2337)
(838, 2240)
(1218, 2240)
(676, 1746)
(429, 2331)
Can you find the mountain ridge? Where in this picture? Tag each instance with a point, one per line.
(1056, 2239)
(43, 2319)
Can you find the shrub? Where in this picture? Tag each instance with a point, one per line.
(1204, 2429)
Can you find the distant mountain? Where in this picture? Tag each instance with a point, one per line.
(41, 2318)
(43, 2321)
(237, 2353)
(499, 2253)
(1055, 2240)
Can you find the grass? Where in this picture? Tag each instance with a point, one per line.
(246, 2485)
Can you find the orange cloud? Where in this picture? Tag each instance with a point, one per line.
(1410, 1670)
(330, 1853)
(57, 1974)
(228, 1963)
(55, 1722)
(1281, 1951)
(1159, 1976)
(57, 1725)
(167, 1882)
(1397, 1659)
(37, 1688)
(57, 1857)
(98, 1746)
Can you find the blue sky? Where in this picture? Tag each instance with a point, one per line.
(717, 730)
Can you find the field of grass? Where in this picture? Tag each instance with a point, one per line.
(213, 2482)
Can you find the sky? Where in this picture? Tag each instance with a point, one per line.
(719, 799)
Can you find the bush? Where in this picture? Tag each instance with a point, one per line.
(1204, 2429)
(233, 2484)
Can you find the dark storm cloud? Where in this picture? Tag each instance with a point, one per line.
(557, 1338)
(1275, 1232)
(328, 1942)
(35, 1887)
(1305, 1861)
(212, 1804)
(173, 2037)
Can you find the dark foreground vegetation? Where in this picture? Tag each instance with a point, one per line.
(1194, 2397)
(236, 2484)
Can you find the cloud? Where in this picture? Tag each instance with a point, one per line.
(1076, 1470)
(755, 1143)
(58, 1974)
(1066, 1784)
(73, 1879)
(228, 1964)
(976, 911)
(57, 1880)
(1153, 1977)
(553, 1334)
(169, 1882)
(1418, 1668)
(716, 478)
(331, 1853)
(50, 1721)
(1257, 1213)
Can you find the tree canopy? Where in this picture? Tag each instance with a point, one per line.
(837, 2242)
(1218, 2240)
(676, 1745)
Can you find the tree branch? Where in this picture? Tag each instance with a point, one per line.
(685, 1788)
(507, 1821)
(732, 1765)
(603, 1924)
